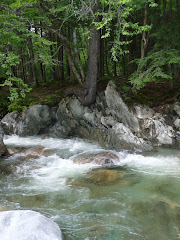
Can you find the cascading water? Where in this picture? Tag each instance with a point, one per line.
(139, 199)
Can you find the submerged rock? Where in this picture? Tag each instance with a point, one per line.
(11, 151)
(103, 159)
(36, 152)
(103, 176)
(27, 225)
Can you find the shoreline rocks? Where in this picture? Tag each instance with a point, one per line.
(110, 122)
(2, 145)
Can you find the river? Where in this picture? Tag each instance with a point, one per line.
(137, 200)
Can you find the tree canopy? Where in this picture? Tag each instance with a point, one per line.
(84, 41)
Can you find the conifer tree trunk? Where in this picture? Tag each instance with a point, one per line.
(32, 61)
(60, 59)
(106, 59)
(101, 65)
(144, 41)
(90, 88)
(54, 70)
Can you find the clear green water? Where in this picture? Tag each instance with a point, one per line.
(137, 200)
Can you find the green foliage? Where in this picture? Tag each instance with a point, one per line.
(51, 99)
(157, 65)
(29, 37)
(15, 107)
(115, 20)
(3, 103)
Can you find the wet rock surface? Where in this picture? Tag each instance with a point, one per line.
(31, 121)
(103, 159)
(27, 225)
(2, 146)
(36, 152)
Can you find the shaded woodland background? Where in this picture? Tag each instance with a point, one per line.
(54, 48)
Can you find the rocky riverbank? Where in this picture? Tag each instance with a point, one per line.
(110, 122)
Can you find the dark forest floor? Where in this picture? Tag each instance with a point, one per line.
(156, 95)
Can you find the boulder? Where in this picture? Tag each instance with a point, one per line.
(11, 151)
(31, 121)
(109, 122)
(177, 124)
(143, 112)
(2, 145)
(27, 225)
(123, 138)
(158, 132)
(177, 108)
(9, 122)
(103, 176)
(36, 152)
(119, 110)
(103, 159)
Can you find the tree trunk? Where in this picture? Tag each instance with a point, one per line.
(170, 9)
(41, 66)
(60, 59)
(115, 69)
(164, 7)
(89, 94)
(144, 41)
(106, 58)
(32, 61)
(177, 8)
(101, 55)
(54, 71)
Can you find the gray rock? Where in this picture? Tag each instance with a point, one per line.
(9, 122)
(177, 124)
(2, 145)
(123, 138)
(158, 132)
(143, 112)
(177, 108)
(31, 121)
(103, 159)
(109, 122)
(27, 225)
(76, 109)
(118, 109)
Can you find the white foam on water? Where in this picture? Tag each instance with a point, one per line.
(73, 145)
(159, 165)
(53, 168)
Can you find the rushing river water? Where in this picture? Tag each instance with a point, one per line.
(137, 200)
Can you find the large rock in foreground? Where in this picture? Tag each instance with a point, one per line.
(27, 225)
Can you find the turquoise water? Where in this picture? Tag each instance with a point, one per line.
(138, 199)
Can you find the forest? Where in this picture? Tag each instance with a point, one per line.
(76, 45)
(90, 119)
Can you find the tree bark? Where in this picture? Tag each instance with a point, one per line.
(60, 59)
(144, 41)
(115, 69)
(32, 62)
(90, 88)
(164, 7)
(101, 55)
(106, 58)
